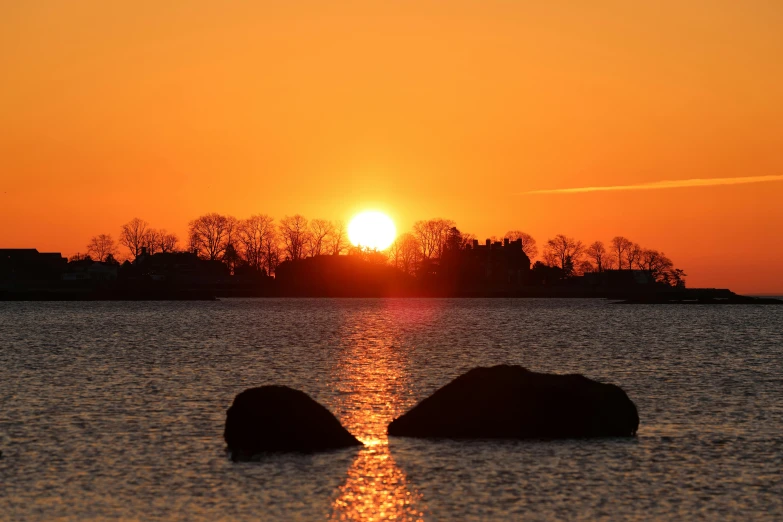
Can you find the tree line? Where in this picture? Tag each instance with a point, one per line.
(575, 258)
(258, 243)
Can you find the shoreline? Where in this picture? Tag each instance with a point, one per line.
(695, 296)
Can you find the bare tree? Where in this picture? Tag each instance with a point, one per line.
(431, 236)
(318, 237)
(133, 236)
(566, 251)
(620, 246)
(394, 252)
(159, 240)
(528, 243)
(633, 255)
(167, 242)
(271, 247)
(254, 235)
(656, 263)
(598, 255)
(405, 253)
(232, 234)
(210, 234)
(295, 236)
(152, 240)
(550, 257)
(467, 240)
(676, 277)
(101, 247)
(585, 267)
(337, 242)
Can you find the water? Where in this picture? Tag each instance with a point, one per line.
(116, 410)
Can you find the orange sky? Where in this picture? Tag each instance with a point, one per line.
(456, 109)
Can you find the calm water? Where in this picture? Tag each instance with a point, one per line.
(116, 410)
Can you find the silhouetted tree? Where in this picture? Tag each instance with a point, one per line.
(394, 251)
(454, 242)
(597, 254)
(550, 258)
(371, 255)
(657, 263)
(231, 258)
(566, 252)
(467, 240)
(295, 236)
(151, 241)
(232, 235)
(528, 243)
(633, 255)
(318, 236)
(164, 241)
(676, 278)
(568, 266)
(210, 234)
(431, 236)
(337, 242)
(256, 233)
(585, 267)
(133, 236)
(404, 253)
(271, 246)
(168, 241)
(620, 246)
(79, 257)
(101, 247)
(160, 241)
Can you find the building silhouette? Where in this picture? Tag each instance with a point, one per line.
(28, 268)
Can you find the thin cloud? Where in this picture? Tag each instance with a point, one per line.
(668, 184)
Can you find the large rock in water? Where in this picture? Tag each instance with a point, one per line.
(281, 419)
(512, 402)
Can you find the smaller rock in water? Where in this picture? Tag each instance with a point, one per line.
(281, 419)
(513, 402)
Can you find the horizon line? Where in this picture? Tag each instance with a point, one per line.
(665, 184)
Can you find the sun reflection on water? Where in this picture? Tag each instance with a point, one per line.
(372, 375)
(376, 489)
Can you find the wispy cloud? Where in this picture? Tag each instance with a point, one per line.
(666, 184)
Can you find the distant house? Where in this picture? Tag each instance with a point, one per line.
(179, 267)
(86, 270)
(27, 265)
(486, 268)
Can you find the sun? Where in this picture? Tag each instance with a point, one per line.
(372, 229)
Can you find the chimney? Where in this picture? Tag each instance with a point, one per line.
(489, 242)
(475, 243)
(505, 241)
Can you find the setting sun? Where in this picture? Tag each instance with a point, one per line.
(372, 229)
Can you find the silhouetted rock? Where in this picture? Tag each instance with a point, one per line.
(281, 419)
(512, 402)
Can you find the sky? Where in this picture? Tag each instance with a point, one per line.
(486, 112)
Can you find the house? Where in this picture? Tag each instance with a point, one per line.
(28, 265)
(86, 270)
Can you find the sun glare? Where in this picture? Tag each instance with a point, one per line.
(372, 229)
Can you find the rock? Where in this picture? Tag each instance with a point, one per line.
(513, 402)
(281, 419)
